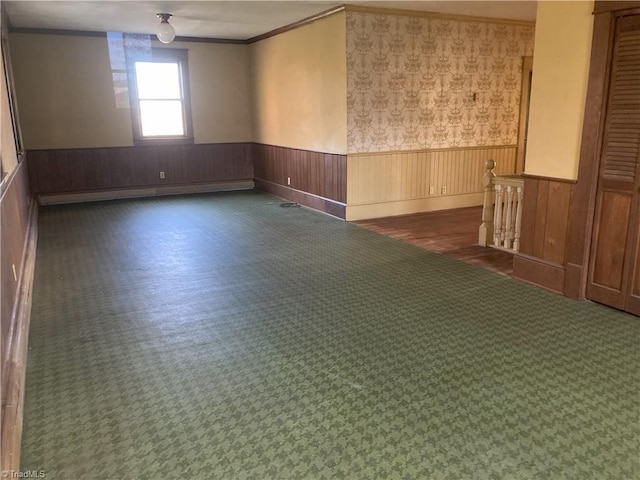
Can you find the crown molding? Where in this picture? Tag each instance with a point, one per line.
(286, 28)
(435, 15)
(298, 24)
(89, 33)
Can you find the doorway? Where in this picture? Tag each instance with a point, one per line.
(523, 124)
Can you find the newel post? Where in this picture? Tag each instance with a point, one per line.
(485, 234)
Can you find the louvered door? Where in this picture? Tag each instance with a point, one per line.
(614, 276)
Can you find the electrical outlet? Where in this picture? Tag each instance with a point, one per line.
(432, 190)
(444, 190)
(161, 174)
(15, 276)
(288, 180)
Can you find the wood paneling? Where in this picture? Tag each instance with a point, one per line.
(397, 176)
(19, 234)
(543, 246)
(539, 272)
(15, 204)
(555, 239)
(611, 241)
(302, 175)
(322, 204)
(405, 177)
(92, 169)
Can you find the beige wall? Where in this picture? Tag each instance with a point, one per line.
(66, 94)
(558, 92)
(300, 87)
(8, 154)
(220, 82)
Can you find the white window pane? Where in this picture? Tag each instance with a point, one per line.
(161, 117)
(158, 80)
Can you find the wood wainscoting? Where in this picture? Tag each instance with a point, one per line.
(545, 226)
(399, 183)
(315, 179)
(65, 175)
(19, 234)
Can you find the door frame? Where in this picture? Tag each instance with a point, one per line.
(583, 204)
(525, 101)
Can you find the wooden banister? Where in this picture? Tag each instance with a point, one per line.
(486, 228)
(501, 211)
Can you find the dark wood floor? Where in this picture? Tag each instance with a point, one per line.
(451, 232)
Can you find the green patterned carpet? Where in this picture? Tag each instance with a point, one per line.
(224, 337)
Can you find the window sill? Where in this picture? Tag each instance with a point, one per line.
(162, 141)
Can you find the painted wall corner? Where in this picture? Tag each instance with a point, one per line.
(299, 87)
(558, 92)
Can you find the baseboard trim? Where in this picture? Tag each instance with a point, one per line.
(537, 271)
(325, 205)
(574, 283)
(11, 435)
(101, 195)
(419, 205)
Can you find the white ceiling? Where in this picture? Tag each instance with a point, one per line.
(223, 19)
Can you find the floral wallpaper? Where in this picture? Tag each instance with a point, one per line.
(419, 83)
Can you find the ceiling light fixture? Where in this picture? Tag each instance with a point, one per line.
(165, 32)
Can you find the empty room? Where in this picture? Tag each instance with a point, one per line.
(316, 240)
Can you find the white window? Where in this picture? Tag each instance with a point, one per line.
(159, 96)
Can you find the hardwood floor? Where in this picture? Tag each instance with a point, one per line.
(451, 232)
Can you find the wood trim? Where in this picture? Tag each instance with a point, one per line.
(549, 179)
(6, 21)
(430, 150)
(443, 16)
(119, 193)
(273, 145)
(326, 205)
(607, 6)
(89, 33)
(413, 206)
(179, 56)
(15, 206)
(11, 434)
(291, 26)
(6, 181)
(89, 149)
(298, 24)
(162, 141)
(536, 271)
(11, 88)
(229, 41)
(523, 122)
(53, 31)
(581, 215)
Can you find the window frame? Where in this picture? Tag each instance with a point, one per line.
(160, 55)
